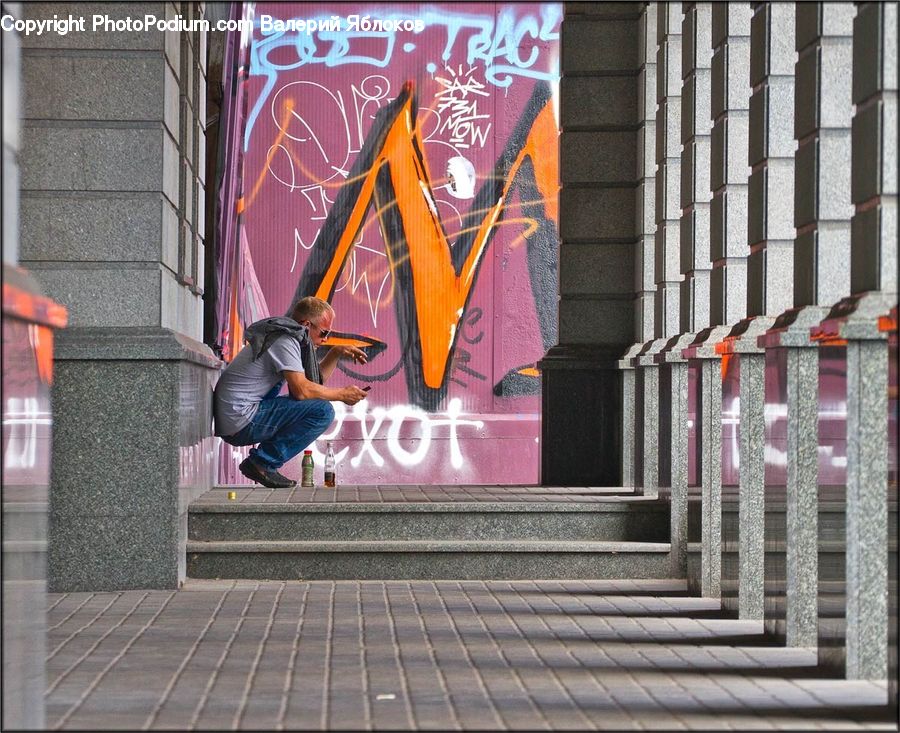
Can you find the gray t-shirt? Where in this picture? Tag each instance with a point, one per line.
(245, 382)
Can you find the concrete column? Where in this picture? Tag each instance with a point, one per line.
(822, 212)
(112, 193)
(599, 108)
(645, 227)
(671, 359)
(648, 381)
(770, 233)
(628, 418)
(873, 244)
(645, 193)
(771, 157)
(822, 206)
(729, 170)
(871, 652)
(657, 404)
(863, 321)
(696, 193)
(771, 238)
(703, 350)
(668, 170)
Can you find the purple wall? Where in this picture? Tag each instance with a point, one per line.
(411, 179)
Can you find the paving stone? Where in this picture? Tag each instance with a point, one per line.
(519, 655)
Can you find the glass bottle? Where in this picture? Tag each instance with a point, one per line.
(307, 467)
(329, 465)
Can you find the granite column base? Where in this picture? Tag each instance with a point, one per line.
(133, 446)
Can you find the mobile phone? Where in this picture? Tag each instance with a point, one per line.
(367, 388)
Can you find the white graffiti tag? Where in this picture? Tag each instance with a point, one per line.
(458, 107)
(371, 422)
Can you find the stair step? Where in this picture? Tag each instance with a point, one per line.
(427, 559)
(635, 521)
(425, 546)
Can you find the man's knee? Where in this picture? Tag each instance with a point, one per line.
(323, 412)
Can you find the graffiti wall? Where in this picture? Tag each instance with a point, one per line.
(401, 161)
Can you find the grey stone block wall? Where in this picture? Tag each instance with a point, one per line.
(112, 136)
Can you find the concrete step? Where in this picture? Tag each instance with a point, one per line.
(426, 559)
(616, 520)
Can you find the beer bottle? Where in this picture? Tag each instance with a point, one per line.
(329, 466)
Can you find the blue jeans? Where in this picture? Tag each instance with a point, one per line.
(283, 427)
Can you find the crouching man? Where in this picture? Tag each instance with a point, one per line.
(247, 407)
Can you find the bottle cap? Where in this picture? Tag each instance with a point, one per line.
(307, 452)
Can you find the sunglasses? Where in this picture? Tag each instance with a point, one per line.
(323, 332)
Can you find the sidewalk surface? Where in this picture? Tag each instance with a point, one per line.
(519, 655)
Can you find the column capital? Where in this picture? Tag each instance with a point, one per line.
(704, 344)
(743, 338)
(863, 317)
(626, 361)
(647, 355)
(791, 328)
(671, 353)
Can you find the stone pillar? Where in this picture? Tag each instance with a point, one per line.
(863, 322)
(598, 111)
(696, 193)
(729, 170)
(643, 259)
(675, 365)
(629, 418)
(702, 351)
(112, 226)
(770, 238)
(668, 170)
(645, 192)
(821, 276)
(770, 225)
(873, 244)
(651, 406)
(657, 379)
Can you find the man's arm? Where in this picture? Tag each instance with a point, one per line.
(302, 388)
(335, 353)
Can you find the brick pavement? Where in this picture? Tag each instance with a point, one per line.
(520, 655)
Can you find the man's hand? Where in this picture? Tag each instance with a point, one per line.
(350, 352)
(351, 395)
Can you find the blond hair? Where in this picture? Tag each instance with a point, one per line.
(310, 308)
